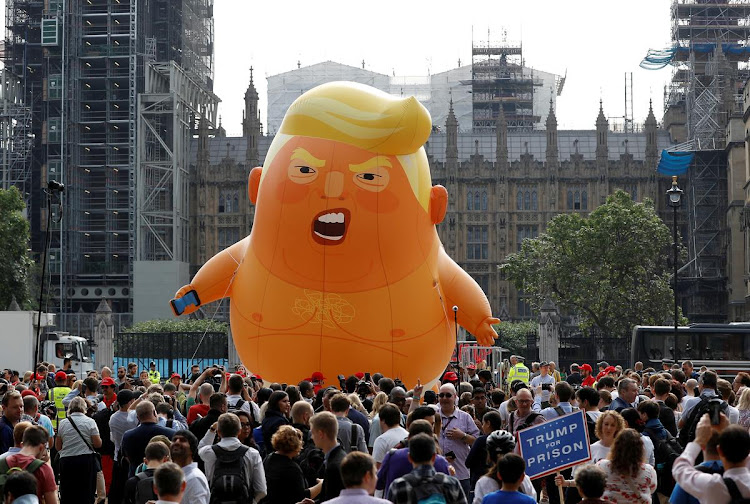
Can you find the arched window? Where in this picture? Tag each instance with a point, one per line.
(570, 200)
(577, 201)
(527, 201)
(534, 203)
(470, 201)
(222, 206)
(584, 200)
(236, 203)
(484, 200)
(519, 201)
(476, 200)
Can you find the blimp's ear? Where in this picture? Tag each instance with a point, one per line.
(253, 183)
(438, 203)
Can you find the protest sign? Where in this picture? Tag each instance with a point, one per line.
(555, 445)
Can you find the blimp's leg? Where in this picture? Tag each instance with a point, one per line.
(460, 290)
(213, 280)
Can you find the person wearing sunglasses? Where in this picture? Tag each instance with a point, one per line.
(458, 432)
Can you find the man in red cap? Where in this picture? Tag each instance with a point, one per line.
(109, 393)
(450, 377)
(588, 380)
(318, 380)
(471, 373)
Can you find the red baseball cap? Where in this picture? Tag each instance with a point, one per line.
(318, 376)
(471, 366)
(359, 376)
(175, 375)
(40, 376)
(108, 382)
(450, 376)
(586, 367)
(61, 375)
(27, 393)
(258, 377)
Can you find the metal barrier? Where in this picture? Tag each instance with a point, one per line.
(172, 352)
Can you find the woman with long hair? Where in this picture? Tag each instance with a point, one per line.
(246, 429)
(285, 480)
(380, 400)
(743, 404)
(277, 415)
(608, 426)
(629, 478)
(357, 404)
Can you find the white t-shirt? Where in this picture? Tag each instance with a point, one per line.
(542, 380)
(386, 441)
(599, 452)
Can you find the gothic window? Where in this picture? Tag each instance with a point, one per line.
(228, 201)
(525, 232)
(577, 201)
(527, 201)
(222, 206)
(476, 200)
(570, 199)
(477, 242)
(236, 203)
(470, 200)
(584, 200)
(534, 203)
(519, 201)
(228, 236)
(484, 200)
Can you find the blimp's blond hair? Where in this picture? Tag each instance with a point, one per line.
(367, 118)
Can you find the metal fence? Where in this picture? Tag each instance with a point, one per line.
(172, 352)
(581, 347)
(83, 324)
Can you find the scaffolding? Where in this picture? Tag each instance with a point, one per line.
(499, 79)
(168, 114)
(16, 139)
(710, 50)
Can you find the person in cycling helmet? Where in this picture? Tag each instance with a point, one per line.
(499, 443)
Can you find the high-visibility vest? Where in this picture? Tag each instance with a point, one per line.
(57, 395)
(154, 377)
(519, 372)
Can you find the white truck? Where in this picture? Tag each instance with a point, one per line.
(18, 333)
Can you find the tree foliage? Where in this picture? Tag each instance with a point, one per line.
(610, 268)
(177, 326)
(513, 335)
(15, 263)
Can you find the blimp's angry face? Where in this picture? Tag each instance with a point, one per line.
(341, 218)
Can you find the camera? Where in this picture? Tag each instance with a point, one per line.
(398, 382)
(363, 388)
(714, 410)
(546, 386)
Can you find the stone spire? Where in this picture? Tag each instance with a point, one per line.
(251, 127)
(451, 130)
(652, 151)
(501, 134)
(602, 125)
(552, 148)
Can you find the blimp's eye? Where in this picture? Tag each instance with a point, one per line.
(306, 169)
(302, 174)
(368, 176)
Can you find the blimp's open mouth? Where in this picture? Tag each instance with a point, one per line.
(329, 227)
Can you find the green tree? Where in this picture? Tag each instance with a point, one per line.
(513, 335)
(177, 326)
(15, 263)
(610, 268)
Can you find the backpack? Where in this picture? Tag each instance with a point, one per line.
(666, 452)
(229, 484)
(352, 439)
(734, 492)
(427, 491)
(238, 406)
(310, 460)
(687, 433)
(526, 423)
(6, 470)
(591, 425)
(144, 488)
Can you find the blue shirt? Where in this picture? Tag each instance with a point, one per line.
(680, 496)
(504, 497)
(6, 435)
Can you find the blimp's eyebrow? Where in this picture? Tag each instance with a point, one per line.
(370, 163)
(307, 158)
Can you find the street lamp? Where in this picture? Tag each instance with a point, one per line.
(675, 200)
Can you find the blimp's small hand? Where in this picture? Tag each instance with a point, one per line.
(485, 334)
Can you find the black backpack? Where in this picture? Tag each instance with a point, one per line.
(229, 484)
(591, 425)
(687, 433)
(526, 423)
(238, 406)
(144, 488)
(666, 452)
(427, 491)
(352, 440)
(734, 492)
(311, 460)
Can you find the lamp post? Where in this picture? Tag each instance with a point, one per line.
(675, 200)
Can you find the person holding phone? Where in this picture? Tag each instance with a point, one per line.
(458, 432)
(545, 381)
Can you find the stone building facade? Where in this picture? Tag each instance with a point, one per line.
(502, 187)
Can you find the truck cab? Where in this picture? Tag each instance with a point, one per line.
(59, 345)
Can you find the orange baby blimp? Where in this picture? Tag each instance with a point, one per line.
(343, 270)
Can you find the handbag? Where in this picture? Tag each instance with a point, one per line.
(97, 455)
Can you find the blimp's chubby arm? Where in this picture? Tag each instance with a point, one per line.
(459, 289)
(212, 281)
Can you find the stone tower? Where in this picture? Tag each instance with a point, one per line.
(251, 127)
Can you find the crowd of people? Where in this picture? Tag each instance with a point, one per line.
(675, 434)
